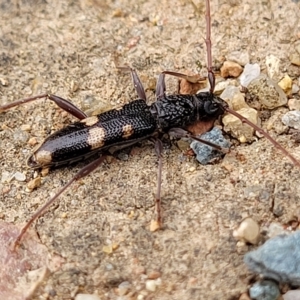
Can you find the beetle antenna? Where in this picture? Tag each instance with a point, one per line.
(211, 75)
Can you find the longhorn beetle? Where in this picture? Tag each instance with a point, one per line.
(179, 115)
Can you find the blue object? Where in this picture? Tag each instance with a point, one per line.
(264, 290)
(278, 259)
(206, 154)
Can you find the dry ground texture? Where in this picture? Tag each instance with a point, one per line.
(69, 48)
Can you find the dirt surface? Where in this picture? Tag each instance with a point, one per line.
(69, 48)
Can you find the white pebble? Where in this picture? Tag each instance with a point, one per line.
(272, 64)
(151, 285)
(251, 71)
(247, 231)
(87, 297)
(5, 177)
(20, 176)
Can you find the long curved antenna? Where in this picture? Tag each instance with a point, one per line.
(265, 134)
(211, 75)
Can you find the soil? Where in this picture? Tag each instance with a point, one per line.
(70, 48)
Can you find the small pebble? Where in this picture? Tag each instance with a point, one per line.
(231, 69)
(34, 183)
(272, 64)
(154, 226)
(286, 84)
(275, 121)
(277, 259)
(6, 177)
(251, 71)
(32, 141)
(264, 290)
(229, 92)
(294, 104)
(234, 98)
(45, 172)
(247, 231)
(87, 297)
(295, 59)
(108, 249)
(206, 154)
(292, 119)
(151, 285)
(244, 296)
(123, 288)
(187, 87)
(123, 156)
(3, 81)
(25, 127)
(235, 126)
(295, 88)
(20, 176)
(238, 102)
(117, 13)
(154, 275)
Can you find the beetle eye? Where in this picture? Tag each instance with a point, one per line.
(211, 107)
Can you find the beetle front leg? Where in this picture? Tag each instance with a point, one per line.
(136, 81)
(180, 133)
(157, 223)
(64, 104)
(161, 85)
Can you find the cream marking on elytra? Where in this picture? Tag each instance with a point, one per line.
(96, 137)
(43, 157)
(127, 131)
(90, 121)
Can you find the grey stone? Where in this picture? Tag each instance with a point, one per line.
(292, 119)
(277, 259)
(206, 154)
(264, 290)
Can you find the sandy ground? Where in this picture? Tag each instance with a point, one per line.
(69, 48)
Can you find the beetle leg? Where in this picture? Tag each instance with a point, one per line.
(180, 133)
(158, 210)
(136, 81)
(82, 173)
(62, 103)
(190, 78)
(161, 86)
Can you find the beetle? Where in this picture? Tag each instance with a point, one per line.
(180, 115)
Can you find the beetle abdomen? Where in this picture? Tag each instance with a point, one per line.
(82, 139)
